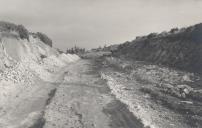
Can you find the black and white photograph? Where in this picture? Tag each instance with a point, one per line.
(100, 63)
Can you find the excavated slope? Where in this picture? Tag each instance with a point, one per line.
(178, 48)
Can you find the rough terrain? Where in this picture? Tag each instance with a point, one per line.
(124, 87)
(159, 96)
(83, 100)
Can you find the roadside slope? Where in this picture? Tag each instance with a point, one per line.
(178, 48)
(29, 70)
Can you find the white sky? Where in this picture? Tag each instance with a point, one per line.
(90, 23)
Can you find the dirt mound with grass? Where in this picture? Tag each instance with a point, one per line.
(178, 48)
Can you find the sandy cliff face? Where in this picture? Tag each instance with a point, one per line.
(28, 67)
(178, 48)
(38, 57)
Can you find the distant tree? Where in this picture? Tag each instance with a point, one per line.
(72, 50)
(75, 50)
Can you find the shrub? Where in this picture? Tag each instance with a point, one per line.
(6, 26)
(20, 29)
(174, 30)
(44, 38)
(23, 32)
(152, 35)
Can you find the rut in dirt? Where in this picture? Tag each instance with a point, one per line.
(84, 100)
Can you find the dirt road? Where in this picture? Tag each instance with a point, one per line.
(83, 100)
(25, 106)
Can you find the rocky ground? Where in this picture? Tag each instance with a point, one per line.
(159, 96)
(30, 72)
(114, 93)
(98, 92)
(23, 103)
(83, 100)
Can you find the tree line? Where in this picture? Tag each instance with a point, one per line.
(75, 50)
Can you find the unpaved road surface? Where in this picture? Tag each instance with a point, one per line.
(26, 109)
(83, 100)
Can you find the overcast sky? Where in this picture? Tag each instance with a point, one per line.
(90, 23)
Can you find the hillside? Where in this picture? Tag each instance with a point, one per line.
(178, 48)
(120, 86)
(158, 77)
(29, 71)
